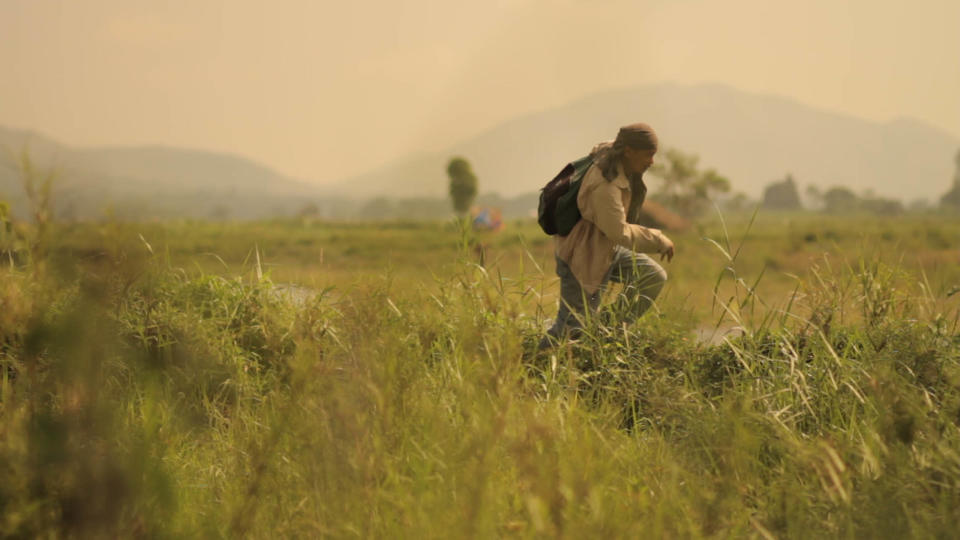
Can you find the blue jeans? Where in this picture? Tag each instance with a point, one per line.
(642, 280)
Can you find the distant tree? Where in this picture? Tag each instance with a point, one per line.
(951, 199)
(309, 210)
(782, 195)
(840, 199)
(463, 184)
(685, 187)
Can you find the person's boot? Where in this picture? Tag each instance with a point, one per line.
(547, 342)
(550, 341)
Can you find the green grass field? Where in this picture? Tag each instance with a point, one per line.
(800, 377)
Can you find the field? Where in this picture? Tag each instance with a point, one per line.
(799, 377)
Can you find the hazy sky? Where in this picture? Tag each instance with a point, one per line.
(323, 89)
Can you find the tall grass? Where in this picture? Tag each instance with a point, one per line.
(140, 399)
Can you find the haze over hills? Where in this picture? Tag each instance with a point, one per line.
(150, 181)
(752, 139)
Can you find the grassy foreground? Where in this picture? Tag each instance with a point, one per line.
(149, 389)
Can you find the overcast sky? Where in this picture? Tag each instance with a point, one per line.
(323, 89)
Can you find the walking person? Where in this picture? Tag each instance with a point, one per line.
(607, 244)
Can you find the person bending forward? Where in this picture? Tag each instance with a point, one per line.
(607, 244)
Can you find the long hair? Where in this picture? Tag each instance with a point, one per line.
(607, 156)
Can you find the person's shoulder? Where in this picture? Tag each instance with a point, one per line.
(593, 175)
(594, 178)
(621, 179)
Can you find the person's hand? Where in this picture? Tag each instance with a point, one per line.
(667, 252)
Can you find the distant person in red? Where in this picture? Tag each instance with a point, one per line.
(607, 244)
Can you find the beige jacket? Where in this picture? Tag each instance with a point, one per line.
(588, 249)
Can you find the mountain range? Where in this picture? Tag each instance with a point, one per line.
(751, 139)
(148, 181)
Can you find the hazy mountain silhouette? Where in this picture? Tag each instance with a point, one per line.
(150, 181)
(752, 139)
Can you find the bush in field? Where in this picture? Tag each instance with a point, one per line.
(463, 184)
(782, 195)
(19, 240)
(188, 358)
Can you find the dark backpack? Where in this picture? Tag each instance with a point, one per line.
(557, 212)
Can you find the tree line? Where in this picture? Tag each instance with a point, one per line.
(784, 195)
(682, 186)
